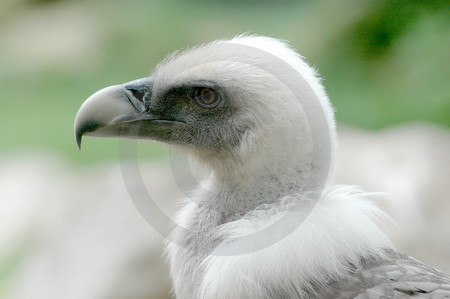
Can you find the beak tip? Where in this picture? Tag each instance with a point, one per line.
(78, 139)
(87, 127)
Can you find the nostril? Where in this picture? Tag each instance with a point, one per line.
(138, 94)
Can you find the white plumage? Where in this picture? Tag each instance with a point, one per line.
(267, 223)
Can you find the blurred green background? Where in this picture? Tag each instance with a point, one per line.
(383, 62)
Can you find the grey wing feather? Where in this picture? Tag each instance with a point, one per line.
(399, 276)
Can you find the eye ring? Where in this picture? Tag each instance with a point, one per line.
(206, 97)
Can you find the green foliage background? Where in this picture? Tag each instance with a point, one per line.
(383, 62)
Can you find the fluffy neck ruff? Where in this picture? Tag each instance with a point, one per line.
(340, 230)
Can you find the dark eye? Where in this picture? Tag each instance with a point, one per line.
(206, 97)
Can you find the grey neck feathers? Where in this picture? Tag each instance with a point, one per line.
(238, 187)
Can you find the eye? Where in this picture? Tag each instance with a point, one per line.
(207, 97)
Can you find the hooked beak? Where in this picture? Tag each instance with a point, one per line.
(116, 111)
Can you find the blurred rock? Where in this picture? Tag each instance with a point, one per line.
(412, 164)
(79, 233)
(73, 232)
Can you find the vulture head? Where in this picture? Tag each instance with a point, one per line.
(244, 107)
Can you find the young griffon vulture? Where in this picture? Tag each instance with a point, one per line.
(266, 223)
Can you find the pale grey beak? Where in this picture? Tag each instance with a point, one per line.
(112, 111)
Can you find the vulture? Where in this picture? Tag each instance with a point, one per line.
(267, 221)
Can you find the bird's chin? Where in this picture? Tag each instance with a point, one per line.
(164, 130)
